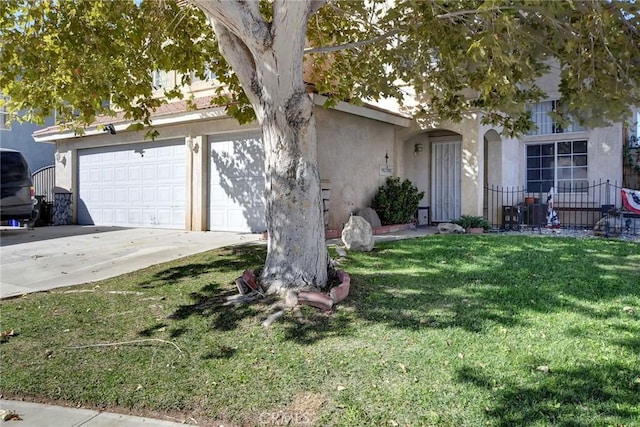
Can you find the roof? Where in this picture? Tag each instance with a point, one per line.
(201, 109)
(169, 109)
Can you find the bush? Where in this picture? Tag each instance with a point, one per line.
(470, 221)
(397, 202)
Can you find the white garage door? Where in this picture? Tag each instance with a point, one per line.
(141, 185)
(236, 192)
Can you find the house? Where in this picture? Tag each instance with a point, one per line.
(205, 172)
(17, 136)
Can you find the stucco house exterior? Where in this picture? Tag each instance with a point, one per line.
(205, 172)
(17, 136)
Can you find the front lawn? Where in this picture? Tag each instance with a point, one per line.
(439, 331)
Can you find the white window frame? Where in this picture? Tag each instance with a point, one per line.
(576, 162)
(160, 80)
(209, 76)
(545, 125)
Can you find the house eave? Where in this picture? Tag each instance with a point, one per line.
(366, 111)
(53, 133)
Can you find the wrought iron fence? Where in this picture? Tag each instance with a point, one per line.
(44, 179)
(514, 208)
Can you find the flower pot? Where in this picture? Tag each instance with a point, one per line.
(529, 200)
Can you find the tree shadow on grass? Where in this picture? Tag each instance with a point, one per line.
(437, 282)
(316, 326)
(450, 281)
(583, 396)
(214, 305)
(218, 261)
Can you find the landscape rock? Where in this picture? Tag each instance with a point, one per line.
(611, 225)
(616, 224)
(448, 228)
(371, 216)
(357, 235)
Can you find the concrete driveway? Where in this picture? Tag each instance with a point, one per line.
(45, 258)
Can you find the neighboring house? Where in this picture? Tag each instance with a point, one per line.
(17, 136)
(205, 172)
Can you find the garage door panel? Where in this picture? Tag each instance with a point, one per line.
(236, 218)
(121, 174)
(118, 186)
(108, 195)
(179, 196)
(107, 216)
(236, 189)
(134, 216)
(108, 175)
(121, 195)
(149, 172)
(134, 173)
(149, 195)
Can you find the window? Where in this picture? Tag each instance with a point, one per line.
(634, 132)
(209, 76)
(4, 115)
(160, 79)
(561, 164)
(545, 123)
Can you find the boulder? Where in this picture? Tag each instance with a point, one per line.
(371, 216)
(448, 228)
(611, 225)
(616, 224)
(357, 234)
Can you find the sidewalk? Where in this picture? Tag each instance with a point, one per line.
(38, 415)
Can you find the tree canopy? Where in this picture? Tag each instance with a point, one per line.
(70, 56)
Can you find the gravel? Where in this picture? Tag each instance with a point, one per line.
(577, 233)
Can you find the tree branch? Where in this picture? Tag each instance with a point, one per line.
(242, 18)
(316, 5)
(475, 11)
(292, 17)
(113, 344)
(239, 57)
(353, 45)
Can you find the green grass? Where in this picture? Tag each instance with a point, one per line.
(441, 331)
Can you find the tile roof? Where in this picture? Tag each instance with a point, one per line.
(176, 107)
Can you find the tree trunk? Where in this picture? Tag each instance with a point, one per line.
(296, 252)
(267, 58)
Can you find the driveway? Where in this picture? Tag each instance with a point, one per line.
(45, 258)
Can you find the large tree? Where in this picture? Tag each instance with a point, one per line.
(71, 55)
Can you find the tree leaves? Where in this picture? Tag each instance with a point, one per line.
(84, 58)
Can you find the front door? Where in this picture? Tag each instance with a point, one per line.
(446, 178)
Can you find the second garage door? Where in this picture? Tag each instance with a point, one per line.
(141, 185)
(236, 190)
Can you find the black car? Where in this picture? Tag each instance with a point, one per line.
(17, 200)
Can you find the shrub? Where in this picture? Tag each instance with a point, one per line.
(470, 221)
(397, 202)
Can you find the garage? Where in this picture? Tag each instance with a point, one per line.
(236, 189)
(138, 185)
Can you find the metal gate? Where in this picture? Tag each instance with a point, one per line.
(44, 179)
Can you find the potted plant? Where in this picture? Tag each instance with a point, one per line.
(473, 224)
